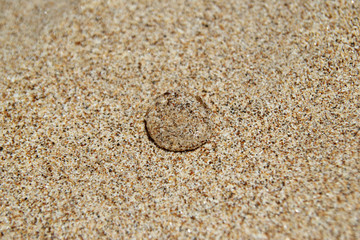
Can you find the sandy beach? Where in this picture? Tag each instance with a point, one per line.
(280, 78)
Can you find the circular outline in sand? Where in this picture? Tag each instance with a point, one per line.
(178, 121)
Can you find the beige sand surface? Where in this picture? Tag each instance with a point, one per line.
(281, 77)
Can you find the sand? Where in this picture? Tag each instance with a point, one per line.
(280, 77)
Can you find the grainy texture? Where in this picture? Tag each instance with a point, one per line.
(76, 80)
(179, 121)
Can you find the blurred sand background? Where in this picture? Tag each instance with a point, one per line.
(281, 77)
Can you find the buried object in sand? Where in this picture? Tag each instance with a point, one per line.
(178, 121)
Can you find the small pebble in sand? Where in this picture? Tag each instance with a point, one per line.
(178, 121)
